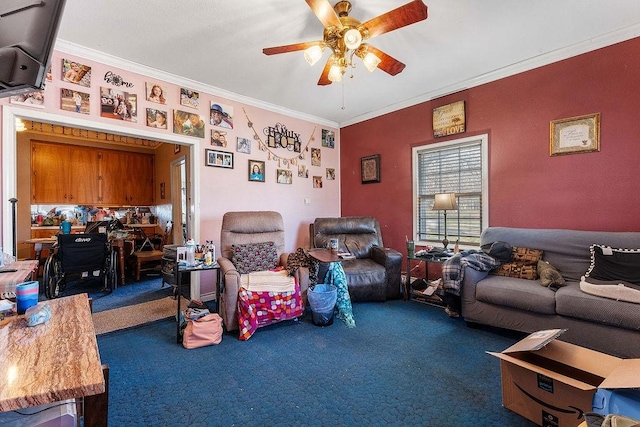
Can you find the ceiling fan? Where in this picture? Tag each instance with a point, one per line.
(345, 35)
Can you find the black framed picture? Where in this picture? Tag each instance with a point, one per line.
(219, 159)
(370, 169)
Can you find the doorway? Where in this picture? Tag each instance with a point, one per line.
(11, 114)
(179, 201)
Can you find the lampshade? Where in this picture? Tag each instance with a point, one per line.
(335, 74)
(313, 54)
(371, 62)
(352, 39)
(445, 202)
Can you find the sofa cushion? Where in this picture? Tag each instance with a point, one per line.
(254, 257)
(523, 264)
(549, 275)
(609, 263)
(573, 302)
(516, 293)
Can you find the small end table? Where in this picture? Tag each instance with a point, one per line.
(179, 269)
(406, 288)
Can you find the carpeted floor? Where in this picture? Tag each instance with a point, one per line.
(405, 364)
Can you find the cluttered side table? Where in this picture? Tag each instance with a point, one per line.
(199, 267)
(428, 294)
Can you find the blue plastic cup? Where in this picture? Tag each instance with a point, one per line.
(26, 295)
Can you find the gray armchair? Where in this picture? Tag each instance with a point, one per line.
(375, 273)
(245, 228)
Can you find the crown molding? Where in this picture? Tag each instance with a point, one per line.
(153, 73)
(510, 70)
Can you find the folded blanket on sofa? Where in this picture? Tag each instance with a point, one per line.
(617, 290)
(453, 268)
(268, 281)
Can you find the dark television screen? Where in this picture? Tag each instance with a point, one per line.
(28, 30)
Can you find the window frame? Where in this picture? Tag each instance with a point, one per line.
(436, 146)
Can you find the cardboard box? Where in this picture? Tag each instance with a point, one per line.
(552, 383)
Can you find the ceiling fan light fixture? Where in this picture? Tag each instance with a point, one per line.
(371, 61)
(313, 54)
(335, 73)
(352, 39)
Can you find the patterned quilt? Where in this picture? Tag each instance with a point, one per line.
(258, 309)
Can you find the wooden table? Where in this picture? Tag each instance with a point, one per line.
(24, 270)
(324, 255)
(51, 362)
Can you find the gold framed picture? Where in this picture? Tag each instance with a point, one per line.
(370, 169)
(575, 135)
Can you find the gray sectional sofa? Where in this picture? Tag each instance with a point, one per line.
(594, 322)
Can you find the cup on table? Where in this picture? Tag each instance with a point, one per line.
(411, 248)
(26, 295)
(333, 246)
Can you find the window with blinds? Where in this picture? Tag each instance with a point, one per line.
(458, 167)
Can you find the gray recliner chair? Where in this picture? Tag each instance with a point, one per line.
(375, 273)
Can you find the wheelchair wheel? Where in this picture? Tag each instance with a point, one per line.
(52, 278)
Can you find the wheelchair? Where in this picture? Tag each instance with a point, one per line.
(88, 255)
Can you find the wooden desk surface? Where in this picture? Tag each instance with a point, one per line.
(25, 270)
(53, 361)
(323, 255)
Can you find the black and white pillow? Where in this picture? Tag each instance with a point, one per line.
(609, 263)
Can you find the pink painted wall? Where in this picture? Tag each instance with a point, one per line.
(527, 187)
(220, 189)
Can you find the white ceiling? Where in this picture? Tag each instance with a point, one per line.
(218, 43)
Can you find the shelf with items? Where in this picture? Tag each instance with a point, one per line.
(432, 273)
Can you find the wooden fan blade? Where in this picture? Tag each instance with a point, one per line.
(324, 77)
(405, 15)
(325, 13)
(388, 64)
(289, 48)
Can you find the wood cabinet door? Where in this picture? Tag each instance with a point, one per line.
(49, 174)
(83, 176)
(113, 180)
(141, 183)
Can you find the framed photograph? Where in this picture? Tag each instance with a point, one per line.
(189, 98)
(75, 72)
(370, 169)
(316, 158)
(449, 119)
(328, 138)
(156, 93)
(303, 171)
(33, 99)
(156, 118)
(117, 104)
(243, 145)
(575, 135)
(317, 182)
(190, 124)
(256, 170)
(220, 159)
(218, 138)
(221, 115)
(284, 176)
(331, 174)
(73, 100)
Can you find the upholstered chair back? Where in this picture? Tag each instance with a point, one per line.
(355, 234)
(251, 227)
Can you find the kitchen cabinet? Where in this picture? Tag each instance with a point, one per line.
(126, 179)
(72, 174)
(63, 174)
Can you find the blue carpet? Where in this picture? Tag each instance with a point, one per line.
(405, 364)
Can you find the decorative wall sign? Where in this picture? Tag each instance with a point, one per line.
(279, 136)
(189, 98)
(370, 169)
(575, 135)
(272, 154)
(115, 79)
(449, 119)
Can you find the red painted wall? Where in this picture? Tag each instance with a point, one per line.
(527, 187)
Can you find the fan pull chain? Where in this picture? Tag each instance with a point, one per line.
(342, 84)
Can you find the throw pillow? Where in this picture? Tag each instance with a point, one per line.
(523, 264)
(609, 263)
(549, 275)
(254, 257)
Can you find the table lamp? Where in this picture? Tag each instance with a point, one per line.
(445, 202)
